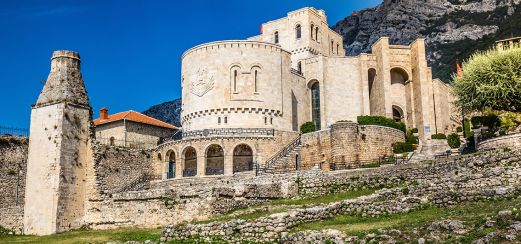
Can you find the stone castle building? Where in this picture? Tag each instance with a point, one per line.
(243, 104)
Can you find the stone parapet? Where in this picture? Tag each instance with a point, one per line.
(511, 142)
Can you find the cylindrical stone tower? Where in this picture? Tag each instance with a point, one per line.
(58, 146)
(235, 84)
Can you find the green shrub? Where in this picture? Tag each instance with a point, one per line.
(439, 136)
(411, 139)
(307, 127)
(459, 129)
(402, 147)
(466, 128)
(491, 80)
(414, 130)
(453, 140)
(380, 120)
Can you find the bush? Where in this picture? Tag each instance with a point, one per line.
(439, 136)
(402, 147)
(307, 127)
(411, 139)
(459, 129)
(380, 120)
(466, 127)
(453, 140)
(414, 130)
(491, 80)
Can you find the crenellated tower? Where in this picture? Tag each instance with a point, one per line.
(58, 150)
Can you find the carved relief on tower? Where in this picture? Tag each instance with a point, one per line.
(201, 82)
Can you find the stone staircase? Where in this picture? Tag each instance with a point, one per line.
(429, 150)
(285, 164)
(285, 160)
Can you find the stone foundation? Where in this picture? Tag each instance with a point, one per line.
(13, 163)
(511, 142)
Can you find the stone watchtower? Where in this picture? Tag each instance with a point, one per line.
(58, 149)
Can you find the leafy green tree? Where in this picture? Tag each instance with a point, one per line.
(307, 127)
(492, 80)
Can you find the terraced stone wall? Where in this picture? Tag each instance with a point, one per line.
(13, 163)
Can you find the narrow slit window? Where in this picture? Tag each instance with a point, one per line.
(235, 73)
(298, 31)
(276, 37)
(256, 76)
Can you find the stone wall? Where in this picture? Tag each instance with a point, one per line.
(512, 142)
(348, 144)
(479, 177)
(13, 163)
(117, 168)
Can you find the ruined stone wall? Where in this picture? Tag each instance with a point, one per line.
(117, 168)
(512, 142)
(13, 163)
(348, 144)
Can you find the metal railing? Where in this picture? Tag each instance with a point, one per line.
(141, 180)
(243, 132)
(282, 153)
(126, 143)
(178, 135)
(5, 130)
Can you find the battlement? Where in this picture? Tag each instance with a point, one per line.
(65, 54)
(234, 44)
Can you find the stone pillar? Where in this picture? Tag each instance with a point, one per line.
(179, 167)
(58, 150)
(228, 164)
(201, 163)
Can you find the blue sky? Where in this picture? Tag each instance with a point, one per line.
(130, 50)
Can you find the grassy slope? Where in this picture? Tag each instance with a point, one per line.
(89, 236)
(471, 214)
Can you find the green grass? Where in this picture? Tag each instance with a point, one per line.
(282, 205)
(470, 213)
(89, 236)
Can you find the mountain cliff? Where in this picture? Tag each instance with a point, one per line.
(169, 112)
(453, 29)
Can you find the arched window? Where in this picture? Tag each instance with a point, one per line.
(190, 162)
(256, 72)
(235, 72)
(299, 67)
(235, 75)
(316, 33)
(112, 141)
(315, 104)
(214, 160)
(298, 31)
(399, 76)
(397, 113)
(242, 158)
(219, 120)
(276, 37)
(171, 164)
(311, 32)
(226, 120)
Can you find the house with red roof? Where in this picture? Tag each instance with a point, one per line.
(131, 129)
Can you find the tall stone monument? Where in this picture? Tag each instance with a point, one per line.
(58, 150)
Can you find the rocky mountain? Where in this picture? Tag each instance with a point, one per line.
(169, 112)
(454, 29)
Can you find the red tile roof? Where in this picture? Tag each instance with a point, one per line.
(133, 116)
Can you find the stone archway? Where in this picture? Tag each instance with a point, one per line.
(214, 160)
(398, 115)
(170, 159)
(242, 158)
(189, 162)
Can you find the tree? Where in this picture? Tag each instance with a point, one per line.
(492, 80)
(307, 127)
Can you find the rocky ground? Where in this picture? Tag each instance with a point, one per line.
(433, 210)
